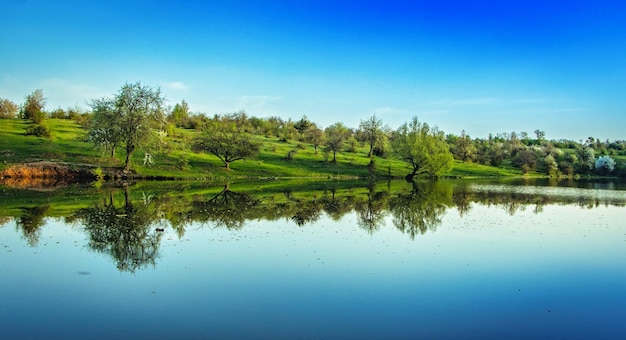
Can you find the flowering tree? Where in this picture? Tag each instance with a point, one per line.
(605, 164)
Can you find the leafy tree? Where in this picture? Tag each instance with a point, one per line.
(373, 132)
(316, 136)
(129, 119)
(180, 114)
(526, 159)
(423, 148)
(604, 164)
(336, 135)
(8, 109)
(302, 125)
(541, 135)
(227, 141)
(552, 166)
(33, 107)
(587, 158)
(106, 125)
(464, 148)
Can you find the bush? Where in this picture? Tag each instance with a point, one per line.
(182, 162)
(38, 130)
(290, 154)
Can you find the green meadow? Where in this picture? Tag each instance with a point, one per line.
(174, 160)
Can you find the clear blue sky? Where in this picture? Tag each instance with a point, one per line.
(483, 66)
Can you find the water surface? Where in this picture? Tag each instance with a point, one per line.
(436, 260)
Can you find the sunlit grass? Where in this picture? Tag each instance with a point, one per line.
(284, 159)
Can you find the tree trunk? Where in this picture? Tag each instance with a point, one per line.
(129, 153)
(227, 165)
(334, 156)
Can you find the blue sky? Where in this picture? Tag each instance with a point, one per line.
(482, 66)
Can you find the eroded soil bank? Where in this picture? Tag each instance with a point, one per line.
(44, 174)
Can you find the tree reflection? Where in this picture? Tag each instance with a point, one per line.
(371, 213)
(307, 212)
(227, 209)
(336, 206)
(31, 221)
(421, 210)
(463, 197)
(124, 232)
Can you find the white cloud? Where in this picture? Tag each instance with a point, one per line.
(177, 86)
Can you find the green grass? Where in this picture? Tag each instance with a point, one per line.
(67, 143)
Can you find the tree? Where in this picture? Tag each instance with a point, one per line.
(106, 129)
(526, 159)
(464, 148)
(551, 165)
(302, 125)
(180, 114)
(587, 158)
(315, 136)
(227, 141)
(423, 148)
(541, 135)
(33, 107)
(604, 164)
(373, 132)
(336, 135)
(130, 119)
(8, 109)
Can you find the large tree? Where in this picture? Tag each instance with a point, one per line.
(130, 119)
(423, 148)
(336, 135)
(226, 140)
(373, 132)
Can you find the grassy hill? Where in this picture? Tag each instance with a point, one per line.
(174, 160)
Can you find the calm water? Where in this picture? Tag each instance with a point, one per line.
(434, 260)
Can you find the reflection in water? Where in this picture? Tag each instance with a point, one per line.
(421, 210)
(31, 221)
(126, 232)
(371, 213)
(307, 212)
(130, 232)
(227, 209)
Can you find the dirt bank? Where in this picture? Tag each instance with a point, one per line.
(44, 174)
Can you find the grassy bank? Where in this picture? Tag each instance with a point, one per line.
(174, 160)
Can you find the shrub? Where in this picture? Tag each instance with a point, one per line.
(38, 130)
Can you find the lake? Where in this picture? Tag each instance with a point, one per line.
(320, 260)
